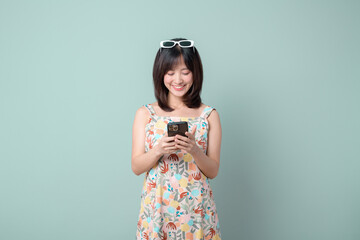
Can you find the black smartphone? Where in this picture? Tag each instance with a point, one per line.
(180, 128)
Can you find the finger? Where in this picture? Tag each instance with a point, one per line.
(171, 148)
(192, 134)
(182, 143)
(189, 135)
(193, 130)
(169, 139)
(182, 148)
(169, 144)
(179, 137)
(179, 146)
(164, 136)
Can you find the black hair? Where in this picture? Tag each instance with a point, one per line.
(165, 59)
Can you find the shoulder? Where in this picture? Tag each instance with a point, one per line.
(142, 110)
(142, 113)
(209, 110)
(213, 115)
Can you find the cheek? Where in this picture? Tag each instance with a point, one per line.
(188, 78)
(167, 79)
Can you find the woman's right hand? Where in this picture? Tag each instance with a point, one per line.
(166, 145)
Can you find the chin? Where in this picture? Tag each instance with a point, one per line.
(180, 94)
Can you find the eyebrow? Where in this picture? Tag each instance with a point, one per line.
(184, 69)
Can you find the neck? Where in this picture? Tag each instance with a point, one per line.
(175, 102)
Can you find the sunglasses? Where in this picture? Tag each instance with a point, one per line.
(181, 43)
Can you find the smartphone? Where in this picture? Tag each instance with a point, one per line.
(180, 128)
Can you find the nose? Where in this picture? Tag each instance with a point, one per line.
(178, 79)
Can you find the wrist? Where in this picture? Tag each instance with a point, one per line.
(156, 151)
(196, 152)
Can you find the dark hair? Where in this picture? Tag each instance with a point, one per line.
(164, 61)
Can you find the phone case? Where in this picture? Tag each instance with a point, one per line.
(177, 128)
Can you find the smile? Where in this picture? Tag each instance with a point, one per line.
(178, 88)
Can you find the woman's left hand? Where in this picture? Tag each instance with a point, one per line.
(187, 144)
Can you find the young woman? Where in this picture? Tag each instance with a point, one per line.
(177, 200)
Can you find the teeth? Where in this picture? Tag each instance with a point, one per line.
(178, 86)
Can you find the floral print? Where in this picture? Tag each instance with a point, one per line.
(177, 201)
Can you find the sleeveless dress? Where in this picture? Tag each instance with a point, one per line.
(177, 200)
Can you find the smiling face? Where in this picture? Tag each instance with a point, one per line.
(179, 79)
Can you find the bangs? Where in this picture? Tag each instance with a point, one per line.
(169, 59)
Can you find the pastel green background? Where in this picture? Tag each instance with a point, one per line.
(283, 75)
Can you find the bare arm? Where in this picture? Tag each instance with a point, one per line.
(142, 161)
(208, 163)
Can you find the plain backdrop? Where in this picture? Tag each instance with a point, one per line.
(283, 76)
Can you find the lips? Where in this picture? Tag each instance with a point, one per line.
(178, 88)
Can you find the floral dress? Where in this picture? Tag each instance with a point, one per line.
(177, 200)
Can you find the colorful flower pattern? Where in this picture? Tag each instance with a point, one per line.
(177, 201)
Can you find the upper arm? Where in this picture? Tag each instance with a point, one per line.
(138, 131)
(214, 136)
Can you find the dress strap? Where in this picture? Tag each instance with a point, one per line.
(206, 112)
(151, 109)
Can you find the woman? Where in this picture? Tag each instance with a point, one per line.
(177, 201)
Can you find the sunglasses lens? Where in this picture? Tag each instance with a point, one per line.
(168, 44)
(185, 43)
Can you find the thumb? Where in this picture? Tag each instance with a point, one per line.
(193, 130)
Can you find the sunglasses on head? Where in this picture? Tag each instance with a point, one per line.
(181, 43)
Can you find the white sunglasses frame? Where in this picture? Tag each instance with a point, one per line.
(177, 42)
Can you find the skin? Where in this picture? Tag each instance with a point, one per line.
(208, 163)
